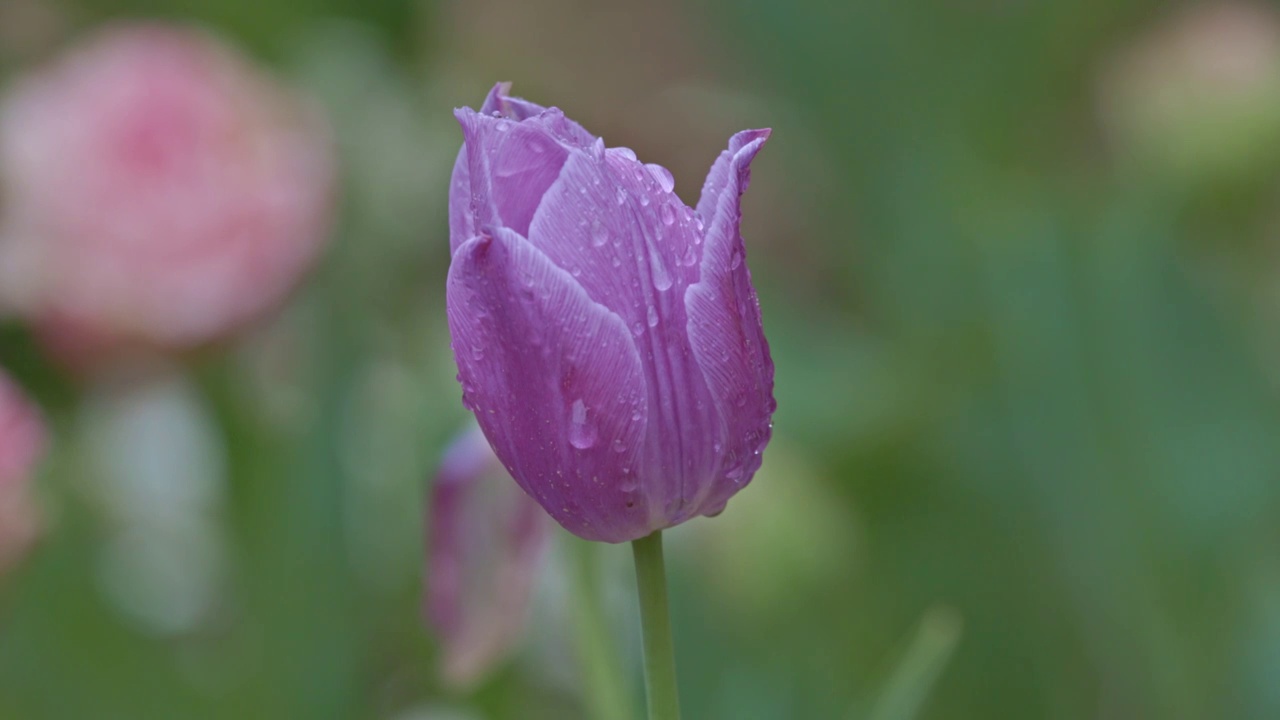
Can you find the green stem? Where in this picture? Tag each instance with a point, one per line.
(606, 695)
(655, 619)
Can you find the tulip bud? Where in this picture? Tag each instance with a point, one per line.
(486, 542)
(22, 441)
(608, 337)
(158, 191)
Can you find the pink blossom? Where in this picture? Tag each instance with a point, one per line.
(158, 190)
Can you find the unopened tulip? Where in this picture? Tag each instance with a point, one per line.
(157, 190)
(22, 442)
(608, 337)
(486, 543)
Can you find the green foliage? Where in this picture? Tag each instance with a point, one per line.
(1019, 377)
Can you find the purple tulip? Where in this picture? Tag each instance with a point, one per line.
(486, 545)
(608, 337)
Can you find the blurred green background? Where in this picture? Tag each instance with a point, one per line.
(1020, 268)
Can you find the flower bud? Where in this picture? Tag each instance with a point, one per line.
(157, 190)
(486, 543)
(608, 337)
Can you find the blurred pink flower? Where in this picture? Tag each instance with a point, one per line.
(157, 190)
(22, 442)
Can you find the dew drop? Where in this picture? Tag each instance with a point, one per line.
(697, 222)
(661, 280)
(617, 261)
(653, 316)
(599, 235)
(582, 433)
(620, 196)
(629, 485)
(736, 260)
(504, 126)
(690, 258)
(576, 272)
(597, 149)
(644, 200)
(668, 215)
(664, 177)
(637, 328)
(625, 152)
(619, 446)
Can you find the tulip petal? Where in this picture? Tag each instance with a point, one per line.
(555, 381)
(724, 325)
(615, 225)
(462, 225)
(553, 120)
(527, 176)
(724, 171)
(486, 544)
(517, 161)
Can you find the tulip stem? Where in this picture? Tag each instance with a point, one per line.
(655, 620)
(604, 688)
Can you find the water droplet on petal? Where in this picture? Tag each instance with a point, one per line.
(621, 196)
(637, 328)
(625, 152)
(644, 200)
(582, 433)
(653, 316)
(597, 149)
(599, 235)
(668, 215)
(690, 257)
(664, 177)
(619, 446)
(697, 222)
(661, 280)
(735, 260)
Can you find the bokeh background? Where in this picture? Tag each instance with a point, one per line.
(1020, 268)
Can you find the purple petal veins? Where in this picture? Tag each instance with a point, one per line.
(608, 336)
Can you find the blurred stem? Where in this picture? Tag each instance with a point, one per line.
(911, 684)
(655, 619)
(606, 695)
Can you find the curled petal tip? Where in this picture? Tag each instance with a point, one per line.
(747, 143)
(493, 101)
